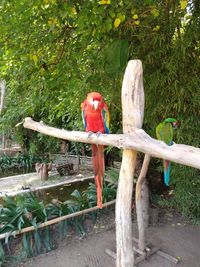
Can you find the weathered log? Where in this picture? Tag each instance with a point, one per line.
(133, 109)
(137, 140)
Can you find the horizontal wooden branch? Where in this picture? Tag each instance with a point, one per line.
(54, 221)
(138, 140)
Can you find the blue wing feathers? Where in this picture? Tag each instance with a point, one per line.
(84, 119)
(105, 121)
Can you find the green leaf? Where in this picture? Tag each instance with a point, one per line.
(47, 239)
(26, 241)
(38, 243)
(156, 28)
(35, 59)
(117, 22)
(105, 2)
(135, 16)
(116, 56)
(136, 22)
(155, 12)
(2, 254)
(183, 4)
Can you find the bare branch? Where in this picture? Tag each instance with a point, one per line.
(138, 140)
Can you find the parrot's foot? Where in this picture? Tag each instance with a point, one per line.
(98, 134)
(90, 134)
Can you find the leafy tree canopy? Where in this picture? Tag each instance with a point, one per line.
(54, 51)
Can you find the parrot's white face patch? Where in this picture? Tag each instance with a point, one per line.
(91, 101)
(96, 104)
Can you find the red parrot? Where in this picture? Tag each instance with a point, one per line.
(96, 119)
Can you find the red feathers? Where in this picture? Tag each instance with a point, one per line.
(95, 113)
(96, 119)
(99, 169)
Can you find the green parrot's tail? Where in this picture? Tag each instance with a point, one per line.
(167, 168)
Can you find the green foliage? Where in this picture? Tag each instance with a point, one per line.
(20, 212)
(112, 175)
(186, 182)
(25, 210)
(24, 162)
(182, 194)
(116, 56)
(2, 254)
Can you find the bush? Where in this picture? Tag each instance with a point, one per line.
(186, 182)
(25, 210)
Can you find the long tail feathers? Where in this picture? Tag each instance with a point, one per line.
(99, 169)
(167, 168)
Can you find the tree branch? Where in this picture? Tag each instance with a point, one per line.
(138, 140)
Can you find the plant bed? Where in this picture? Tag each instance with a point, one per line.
(24, 215)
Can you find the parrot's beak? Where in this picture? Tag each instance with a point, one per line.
(96, 104)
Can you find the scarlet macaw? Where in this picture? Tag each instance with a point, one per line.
(96, 119)
(164, 132)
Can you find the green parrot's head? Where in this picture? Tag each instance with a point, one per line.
(173, 121)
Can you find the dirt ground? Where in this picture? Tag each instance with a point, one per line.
(172, 233)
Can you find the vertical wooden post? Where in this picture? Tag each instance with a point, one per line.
(142, 202)
(133, 111)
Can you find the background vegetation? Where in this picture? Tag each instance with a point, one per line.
(54, 51)
(25, 210)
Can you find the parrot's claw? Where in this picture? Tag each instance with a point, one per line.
(89, 134)
(98, 134)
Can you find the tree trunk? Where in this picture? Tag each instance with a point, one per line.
(3, 91)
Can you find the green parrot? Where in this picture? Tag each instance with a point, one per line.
(164, 132)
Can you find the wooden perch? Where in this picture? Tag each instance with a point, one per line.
(137, 140)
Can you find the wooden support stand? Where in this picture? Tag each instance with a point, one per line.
(143, 255)
(43, 170)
